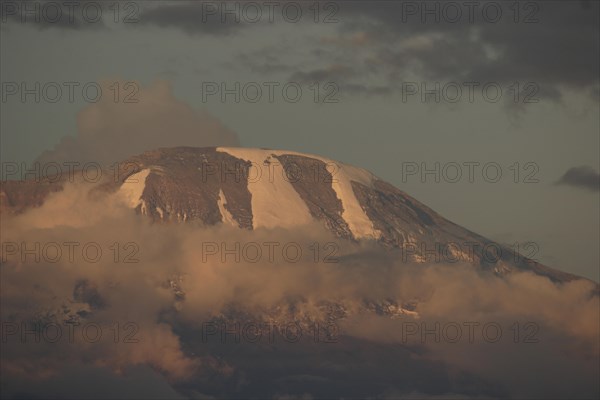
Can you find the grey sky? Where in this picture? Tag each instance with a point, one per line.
(373, 57)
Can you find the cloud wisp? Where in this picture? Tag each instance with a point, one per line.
(583, 177)
(143, 118)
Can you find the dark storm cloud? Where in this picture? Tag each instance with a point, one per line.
(192, 18)
(583, 177)
(559, 46)
(552, 44)
(48, 14)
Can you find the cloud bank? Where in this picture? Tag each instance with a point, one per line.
(170, 290)
(109, 131)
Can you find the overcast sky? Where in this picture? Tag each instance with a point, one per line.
(372, 61)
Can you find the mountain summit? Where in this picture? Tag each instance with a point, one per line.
(263, 188)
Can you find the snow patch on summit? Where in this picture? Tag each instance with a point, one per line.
(355, 216)
(357, 219)
(275, 202)
(133, 187)
(227, 217)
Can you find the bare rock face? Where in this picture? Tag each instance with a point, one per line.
(18, 196)
(252, 188)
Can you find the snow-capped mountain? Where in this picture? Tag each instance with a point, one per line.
(262, 188)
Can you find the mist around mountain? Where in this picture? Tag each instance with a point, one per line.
(230, 272)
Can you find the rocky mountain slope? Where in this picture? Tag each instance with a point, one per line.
(262, 188)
